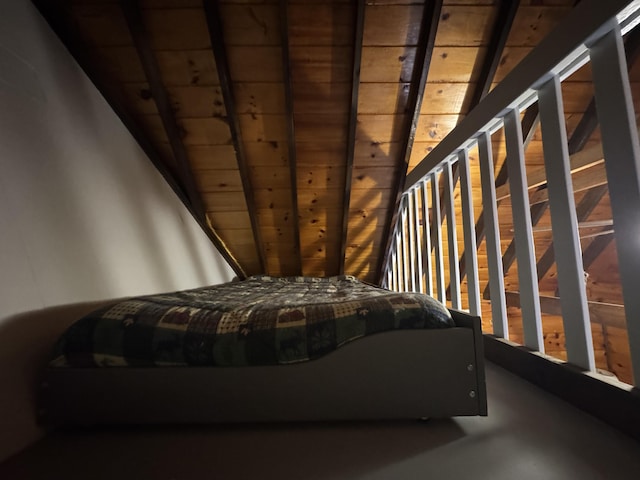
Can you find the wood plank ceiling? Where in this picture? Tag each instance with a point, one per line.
(287, 127)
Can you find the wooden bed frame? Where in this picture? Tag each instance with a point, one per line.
(400, 374)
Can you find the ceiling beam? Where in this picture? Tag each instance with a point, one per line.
(424, 51)
(507, 10)
(291, 129)
(353, 123)
(68, 32)
(135, 23)
(214, 26)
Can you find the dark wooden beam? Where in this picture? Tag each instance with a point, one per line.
(502, 27)
(291, 128)
(353, 123)
(424, 51)
(135, 23)
(214, 25)
(61, 23)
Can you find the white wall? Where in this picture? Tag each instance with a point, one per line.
(84, 216)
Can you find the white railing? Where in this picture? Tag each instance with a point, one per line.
(592, 32)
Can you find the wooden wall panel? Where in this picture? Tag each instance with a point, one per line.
(387, 64)
(465, 25)
(270, 178)
(218, 180)
(259, 98)
(533, 23)
(321, 127)
(255, 63)
(267, 154)
(321, 24)
(320, 153)
(250, 24)
(446, 98)
(379, 128)
(205, 131)
(321, 64)
(370, 154)
(392, 25)
(263, 128)
(189, 67)
(207, 157)
(382, 98)
(451, 64)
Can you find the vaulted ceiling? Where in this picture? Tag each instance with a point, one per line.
(287, 127)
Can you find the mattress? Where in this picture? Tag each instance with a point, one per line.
(259, 321)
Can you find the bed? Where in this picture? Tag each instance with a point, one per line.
(266, 349)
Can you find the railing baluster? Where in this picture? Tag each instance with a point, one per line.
(437, 231)
(416, 208)
(452, 238)
(403, 237)
(468, 224)
(566, 243)
(622, 162)
(400, 261)
(426, 233)
(494, 253)
(411, 219)
(527, 278)
(394, 264)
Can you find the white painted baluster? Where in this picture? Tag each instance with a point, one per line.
(452, 238)
(468, 223)
(411, 220)
(527, 278)
(622, 162)
(394, 265)
(566, 242)
(417, 229)
(399, 261)
(491, 227)
(426, 233)
(405, 250)
(437, 234)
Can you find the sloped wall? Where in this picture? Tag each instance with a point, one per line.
(84, 216)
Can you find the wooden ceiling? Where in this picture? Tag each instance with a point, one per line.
(288, 127)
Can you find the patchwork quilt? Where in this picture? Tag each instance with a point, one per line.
(259, 321)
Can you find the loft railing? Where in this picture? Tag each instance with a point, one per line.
(592, 33)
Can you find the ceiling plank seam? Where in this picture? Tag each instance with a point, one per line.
(68, 32)
(426, 43)
(353, 122)
(214, 27)
(291, 129)
(135, 23)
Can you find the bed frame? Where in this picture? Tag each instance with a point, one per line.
(400, 374)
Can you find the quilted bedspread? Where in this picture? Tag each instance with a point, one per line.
(259, 321)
